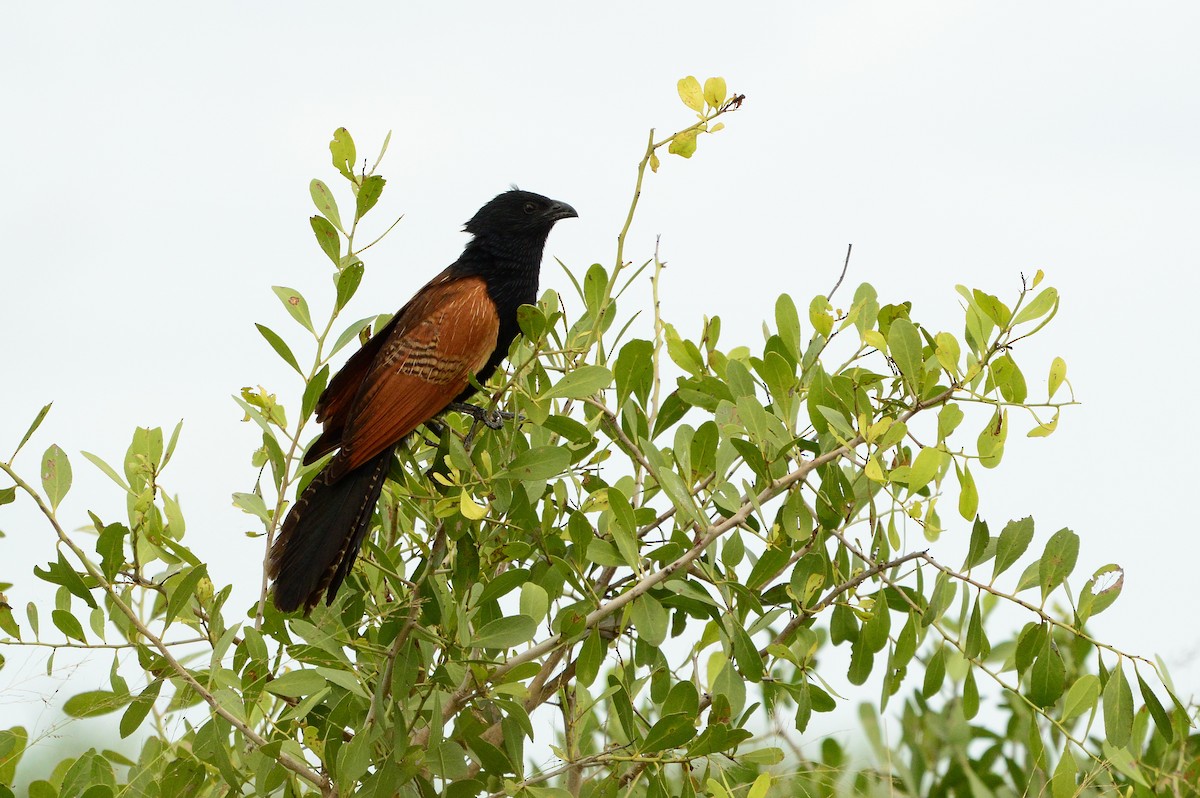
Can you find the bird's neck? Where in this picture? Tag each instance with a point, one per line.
(504, 254)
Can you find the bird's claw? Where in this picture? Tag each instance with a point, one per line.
(492, 419)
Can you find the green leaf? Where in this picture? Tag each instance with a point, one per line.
(1118, 708)
(691, 93)
(56, 475)
(1048, 676)
(976, 640)
(535, 601)
(106, 468)
(1119, 758)
(503, 584)
(904, 345)
(1008, 379)
(532, 321)
(1082, 696)
(8, 624)
(183, 592)
(308, 402)
(715, 92)
(280, 346)
(12, 747)
(347, 283)
(746, 654)
(1161, 720)
(925, 467)
(538, 463)
(995, 310)
(591, 655)
(60, 572)
(651, 619)
(1092, 603)
(139, 708)
(368, 195)
(1013, 541)
(970, 696)
(37, 422)
(295, 305)
(9, 495)
(787, 320)
(1058, 560)
(93, 703)
(580, 383)
(623, 526)
(634, 370)
(341, 147)
(671, 731)
(350, 333)
(328, 238)
(862, 660)
(1062, 783)
(949, 417)
(353, 759)
(68, 624)
(505, 632)
(322, 197)
(968, 496)
(979, 542)
(294, 684)
(1042, 303)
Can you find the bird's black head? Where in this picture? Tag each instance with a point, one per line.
(519, 214)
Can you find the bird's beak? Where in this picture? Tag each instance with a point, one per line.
(560, 210)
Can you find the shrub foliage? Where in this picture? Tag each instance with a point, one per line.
(636, 587)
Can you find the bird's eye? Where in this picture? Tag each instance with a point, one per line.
(530, 207)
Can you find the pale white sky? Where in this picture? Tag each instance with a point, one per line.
(156, 160)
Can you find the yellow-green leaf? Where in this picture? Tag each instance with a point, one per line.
(904, 345)
(874, 471)
(760, 786)
(1062, 783)
(691, 94)
(1043, 430)
(714, 91)
(684, 144)
(1058, 373)
(1042, 303)
(56, 475)
(505, 632)
(341, 147)
(582, 382)
(322, 197)
(469, 508)
(820, 315)
(947, 352)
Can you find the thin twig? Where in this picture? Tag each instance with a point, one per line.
(842, 276)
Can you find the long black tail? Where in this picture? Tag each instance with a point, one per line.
(322, 534)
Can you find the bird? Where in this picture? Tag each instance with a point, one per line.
(448, 339)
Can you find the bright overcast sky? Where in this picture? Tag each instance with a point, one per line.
(156, 158)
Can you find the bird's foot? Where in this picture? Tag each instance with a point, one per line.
(492, 419)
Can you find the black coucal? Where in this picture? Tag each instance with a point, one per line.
(457, 328)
